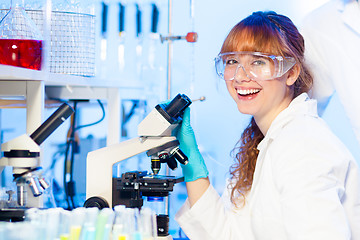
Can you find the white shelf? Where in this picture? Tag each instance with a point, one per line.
(17, 73)
(31, 85)
(57, 79)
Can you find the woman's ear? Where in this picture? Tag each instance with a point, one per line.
(293, 74)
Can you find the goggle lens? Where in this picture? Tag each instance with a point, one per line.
(254, 65)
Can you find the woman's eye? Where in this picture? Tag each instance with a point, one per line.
(231, 61)
(258, 62)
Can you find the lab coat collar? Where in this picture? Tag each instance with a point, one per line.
(350, 14)
(301, 105)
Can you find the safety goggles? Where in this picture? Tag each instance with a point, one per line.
(256, 65)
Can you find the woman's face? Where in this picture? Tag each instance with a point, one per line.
(262, 99)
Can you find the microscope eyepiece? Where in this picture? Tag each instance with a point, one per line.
(177, 106)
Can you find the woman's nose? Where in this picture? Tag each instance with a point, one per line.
(240, 74)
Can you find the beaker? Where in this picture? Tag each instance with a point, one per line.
(21, 42)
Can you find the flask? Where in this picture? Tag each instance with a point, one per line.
(21, 41)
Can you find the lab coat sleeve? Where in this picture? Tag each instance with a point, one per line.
(209, 219)
(310, 171)
(192, 228)
(315, 52)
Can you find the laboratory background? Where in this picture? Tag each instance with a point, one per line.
(113, 62)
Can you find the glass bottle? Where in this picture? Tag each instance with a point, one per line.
(21, 42)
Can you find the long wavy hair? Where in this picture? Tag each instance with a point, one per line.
(272, 33)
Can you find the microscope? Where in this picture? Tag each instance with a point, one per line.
(23, 155)
(155, 137)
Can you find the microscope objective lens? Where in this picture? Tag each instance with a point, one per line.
(155, 165)
(172, 163)
(179, 155)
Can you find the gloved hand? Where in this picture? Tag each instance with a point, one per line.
(196, 167)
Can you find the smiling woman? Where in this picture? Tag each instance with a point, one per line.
(261, 48)
(292, 177)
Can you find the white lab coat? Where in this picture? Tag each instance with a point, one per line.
(306, 186)
(332, 47)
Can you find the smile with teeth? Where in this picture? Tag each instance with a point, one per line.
(245, 92)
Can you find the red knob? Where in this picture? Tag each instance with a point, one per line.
(191, 37)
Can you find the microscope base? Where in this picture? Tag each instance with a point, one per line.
(12, 215)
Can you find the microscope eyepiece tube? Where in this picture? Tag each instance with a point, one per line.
(52, 123)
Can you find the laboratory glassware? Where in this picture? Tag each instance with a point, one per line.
(21, 42)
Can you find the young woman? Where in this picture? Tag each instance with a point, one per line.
(292, 178)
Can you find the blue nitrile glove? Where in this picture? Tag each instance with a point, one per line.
(196, 167)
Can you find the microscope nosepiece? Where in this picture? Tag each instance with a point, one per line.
(163, 156)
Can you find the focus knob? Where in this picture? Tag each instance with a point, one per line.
(98, 202)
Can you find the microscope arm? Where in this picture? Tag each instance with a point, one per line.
(100, 163)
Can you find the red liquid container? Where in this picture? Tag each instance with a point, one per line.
(24, 53)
